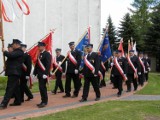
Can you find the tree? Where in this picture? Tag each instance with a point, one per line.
(152, 42)
(141, 18)
(111, 32)
(127, 30)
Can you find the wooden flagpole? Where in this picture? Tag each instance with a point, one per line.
(67, 54)
(1, 30)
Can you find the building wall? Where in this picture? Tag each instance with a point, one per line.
(70, 18)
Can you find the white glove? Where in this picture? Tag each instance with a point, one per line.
(51, 73)
(76, 71)
(112, 64)
(149, 69)
(112, 75)
(27, 77)
(93, 71)
(60, 63)
(95, 75)
(146, 71)
(139, 73)
(44, 76)
(64, 74)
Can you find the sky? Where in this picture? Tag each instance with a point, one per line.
(116, 9)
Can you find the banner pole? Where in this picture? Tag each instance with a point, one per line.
(1, 31)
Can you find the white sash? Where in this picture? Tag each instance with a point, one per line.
(119, 68)
(41, 65)
(24, 67)
(72, 59)
(141, 62)
(91, 67)
(132, 66)
(56, 64)
(102, 64)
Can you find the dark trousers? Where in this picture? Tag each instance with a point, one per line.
(103, 83)
(58, 82)
(12, 88)
(113, 81)
(146, 75)
(130, 80)
(94, 82)
(118, 81)
(24, 88)
(141, 79)
(76, 82)
(43, 89)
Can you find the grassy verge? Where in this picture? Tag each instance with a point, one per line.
(112, 110)
(153, 86)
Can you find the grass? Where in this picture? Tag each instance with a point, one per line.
(112, 110)
(153, 86)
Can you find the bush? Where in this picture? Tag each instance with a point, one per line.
(3, 82)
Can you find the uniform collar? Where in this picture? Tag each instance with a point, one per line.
(42, 51)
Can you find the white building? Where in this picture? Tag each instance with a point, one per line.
(70, 18)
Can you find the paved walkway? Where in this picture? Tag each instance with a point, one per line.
(141, 97)
(57, 103)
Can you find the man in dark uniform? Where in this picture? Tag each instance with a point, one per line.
(143, 63)
(73, 64)
(103, 69)
(42, 70)
(90, 71)
(118, 76)
(111, 73)
(148, 67)
(132, 75)
(13, 70)
(26, 70)
(59, 58)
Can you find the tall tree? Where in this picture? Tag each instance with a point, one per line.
(141, 17)
(111, 32)
(127, 30)
(152, 42)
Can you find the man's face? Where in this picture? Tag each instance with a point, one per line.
(141, 55)
(10, 49)
(58, 53)
(89, 49)
(119, 54)
(72, 47)
(24, 49)
(131, 53)
(41, 48)
(116, 55)
(15, 46)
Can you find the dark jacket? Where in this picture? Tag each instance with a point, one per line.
(70, 66)
(95, 61)
(148, 63)
(136, 64)
(60, 59)
(28, 63)
(123, 63)
(14, 62)
(45, 59)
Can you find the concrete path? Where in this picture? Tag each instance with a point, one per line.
(57, 103)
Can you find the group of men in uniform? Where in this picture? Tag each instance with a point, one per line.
(18, 69)
(131, 68)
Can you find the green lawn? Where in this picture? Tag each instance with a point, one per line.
(112, 110)
(153, 86)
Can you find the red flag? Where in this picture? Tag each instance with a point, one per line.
(121, 47)
(33, 52)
